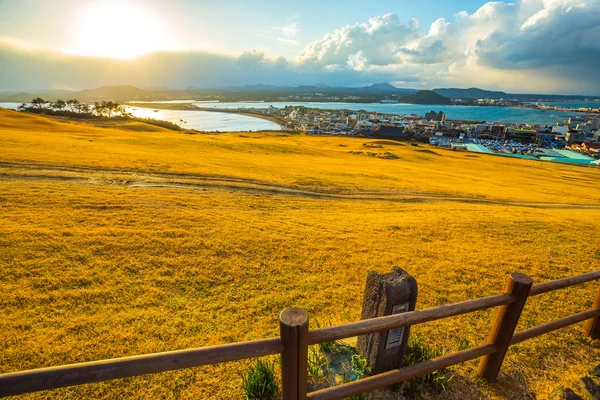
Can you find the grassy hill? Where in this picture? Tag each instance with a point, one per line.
(425, 97)
(118, 241)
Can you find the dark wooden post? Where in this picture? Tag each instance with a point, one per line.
(293, 325)
(592, 326)
(517, 285)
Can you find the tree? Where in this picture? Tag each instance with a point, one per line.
(39, 103)
(59, 105)
(99, 108)
(123, 111)
(82, 108)
(110, 107)
(73, 104)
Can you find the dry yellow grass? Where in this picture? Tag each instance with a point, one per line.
(118, 242)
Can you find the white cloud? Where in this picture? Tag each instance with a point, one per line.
(376, 42)
(548, 44)
(290, 30)
(257, 58)
(283, 34)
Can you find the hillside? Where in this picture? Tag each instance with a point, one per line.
(115, 242)
(112, 92)
(471, 93)
(425, 97)
(476, 93)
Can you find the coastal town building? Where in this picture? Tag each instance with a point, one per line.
(433, 116)
(575, 140)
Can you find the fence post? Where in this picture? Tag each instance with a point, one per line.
(293, 328)
(517, 285)
(592, 326)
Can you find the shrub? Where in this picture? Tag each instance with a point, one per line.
(258, 382)
(462, 343)
(416, 352)
(360, 367)
(317, 364)
(326, 347)
(158, 122)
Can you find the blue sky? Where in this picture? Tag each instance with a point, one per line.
(544, 46)
(223, 26)
(245, 20)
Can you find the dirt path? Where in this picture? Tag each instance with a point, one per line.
(137, 179)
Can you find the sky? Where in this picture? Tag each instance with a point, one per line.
(525, 46)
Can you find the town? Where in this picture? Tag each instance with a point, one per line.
(575, 140)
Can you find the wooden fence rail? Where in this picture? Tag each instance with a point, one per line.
(295, 338)
(97, 371)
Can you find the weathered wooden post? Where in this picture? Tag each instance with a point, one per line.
(293, 328)
(592, 326)
(517, 285)
(386, 294)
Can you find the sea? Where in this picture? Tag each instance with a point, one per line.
(468, 113)
(214, 121)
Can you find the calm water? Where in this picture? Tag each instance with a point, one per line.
(10, 106)
(206, 120)
(470, 113)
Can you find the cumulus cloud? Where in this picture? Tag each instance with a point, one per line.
(438, 46)
(544, 33)
(259, 59)
(251, 58)
(374, 43)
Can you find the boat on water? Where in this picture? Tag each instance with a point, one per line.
(387, 101)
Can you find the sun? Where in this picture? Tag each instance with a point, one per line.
(117, 30)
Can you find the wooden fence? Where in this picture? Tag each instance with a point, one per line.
(295, 337)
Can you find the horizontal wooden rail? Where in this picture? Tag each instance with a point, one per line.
(379, 324)
(552, 326)
(14, 383)
(391, 377)
(563, 283)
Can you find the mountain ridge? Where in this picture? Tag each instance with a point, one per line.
(371, 93)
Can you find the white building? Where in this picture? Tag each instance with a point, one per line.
(560, 129)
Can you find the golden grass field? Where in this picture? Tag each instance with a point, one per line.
(132, 239)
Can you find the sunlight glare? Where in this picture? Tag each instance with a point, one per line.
(118, 30)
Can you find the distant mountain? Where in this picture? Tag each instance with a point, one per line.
(263, 92)
(381, 87)
(113, 92)
(386, 88)
(425, 97)
(476, 93)
(18, 97)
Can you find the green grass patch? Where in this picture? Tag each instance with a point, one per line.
(258, 381)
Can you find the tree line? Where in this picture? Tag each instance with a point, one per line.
(75, 108)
